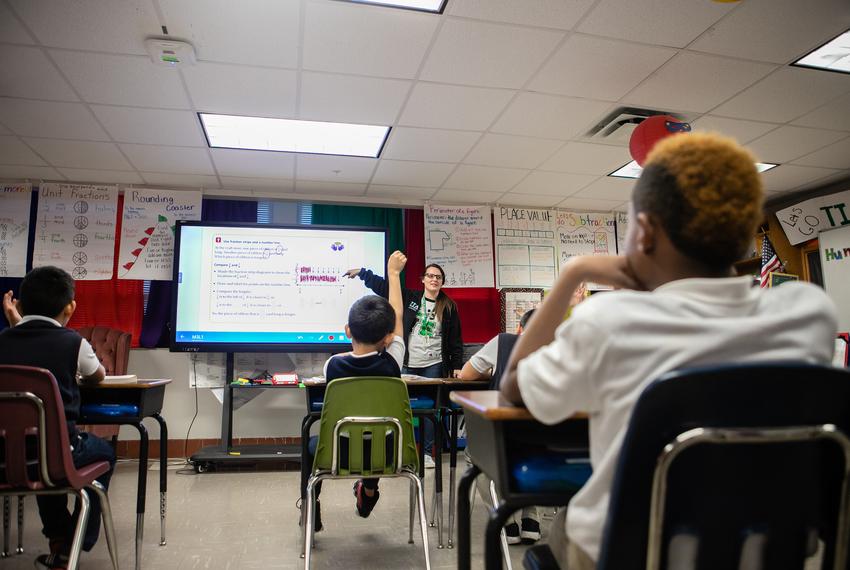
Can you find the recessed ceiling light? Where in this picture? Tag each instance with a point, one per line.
(434, 6)
(289, 135)
(633, 169)
(832, 56)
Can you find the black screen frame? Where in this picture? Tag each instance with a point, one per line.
(184, 346)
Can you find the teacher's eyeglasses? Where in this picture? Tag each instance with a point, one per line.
(436, 276)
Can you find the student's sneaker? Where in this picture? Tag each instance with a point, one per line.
(512, 533)
(530, 531)
(429, 462)
(365, 503)
(52, 562)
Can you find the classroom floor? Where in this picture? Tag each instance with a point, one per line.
(248, 520)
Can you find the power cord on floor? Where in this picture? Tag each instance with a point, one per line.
(191, 471)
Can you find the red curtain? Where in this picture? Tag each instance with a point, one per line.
(116, 303)
(478, 307)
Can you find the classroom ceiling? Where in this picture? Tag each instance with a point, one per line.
(489, 102)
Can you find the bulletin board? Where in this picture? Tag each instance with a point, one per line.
(515, 302)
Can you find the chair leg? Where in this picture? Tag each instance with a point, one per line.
(20, 549)
(423, 518)
(82, 520)
(432, 522)
(7, 505)
(502, 535)
(412, 509)
(108, 527)
(310, 519)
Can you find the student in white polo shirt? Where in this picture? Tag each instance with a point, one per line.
(694, 212)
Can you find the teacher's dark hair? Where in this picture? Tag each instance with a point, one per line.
(444, 302)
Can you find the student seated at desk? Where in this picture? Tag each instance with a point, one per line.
(374, 327)
(693, 213)
(488, 364)
(38, 337)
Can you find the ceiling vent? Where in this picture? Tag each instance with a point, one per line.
(617, 126)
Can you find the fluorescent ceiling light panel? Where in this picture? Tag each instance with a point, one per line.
(434, 6)
(288, 135)
(832, 56)
(633, 169)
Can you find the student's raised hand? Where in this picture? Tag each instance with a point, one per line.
(352, 273)
(10, 310)
(396, 262)
(613, 270)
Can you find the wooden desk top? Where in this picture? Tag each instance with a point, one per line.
(138, 384)
(493, 406)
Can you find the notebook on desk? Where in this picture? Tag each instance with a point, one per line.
(121, 379)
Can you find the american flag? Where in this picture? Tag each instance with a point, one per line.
(769, 261)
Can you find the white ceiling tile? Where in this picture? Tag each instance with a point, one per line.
(329, 188)
(11, 29)
(404, 173)
(347, 169)
(485, 178)
(511, 151)
(787, 177)
(664, 22)
(539, 13)
(429, 145)
(80, 154)
(347, 38)
(193, 180)
(834, 156)
(785, 95)
(4, 131)
(550, 116)
(13, 151)
(50, 119)
(530, 200)
(697, 82)
(409, 192)
(453, 106)
(553, 183)
(466, 196)
(253, 32)
(787, 143)
(585, 158)
(253, 164)
(487, 55)
(833, 115)
(608, 188)
(241, 90)
(584, 204)
(31, 172)
(102, 176)
(598, 68)
(837, 177)
(248, 183)
(97, 25)
(170, 159)
(122, 80)
(150, 126)
(28, 73)
(349, 99)
(775, 30)
(739, 129)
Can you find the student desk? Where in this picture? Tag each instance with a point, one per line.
(148, 396)
(426, 387)
(495, 430)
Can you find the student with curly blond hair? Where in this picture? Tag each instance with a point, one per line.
(693, 213)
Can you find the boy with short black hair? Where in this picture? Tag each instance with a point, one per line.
(37, 337)
(375, 328)
(694, 212)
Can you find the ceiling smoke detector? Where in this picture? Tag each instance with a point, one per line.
(171, 53)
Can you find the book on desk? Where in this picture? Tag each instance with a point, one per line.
(121, 379)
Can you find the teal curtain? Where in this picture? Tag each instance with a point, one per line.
(389, 218)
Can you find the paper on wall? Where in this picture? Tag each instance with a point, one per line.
(147, 230)
(206, 369)
(14, 228)
(75, 229)
(525, 247)
(517, 303)
(804, 221)
(585, 234)
(622, 228)
(459, 239)
(835, 263)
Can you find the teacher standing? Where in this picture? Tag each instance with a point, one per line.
(431, 324)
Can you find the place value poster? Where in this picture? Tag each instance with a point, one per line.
(14, 228)
(460, 240)
(147, 230)
(526, 247)
(75, 229)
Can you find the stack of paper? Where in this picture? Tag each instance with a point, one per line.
(121, 379)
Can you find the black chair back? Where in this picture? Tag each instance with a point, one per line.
(753, 474)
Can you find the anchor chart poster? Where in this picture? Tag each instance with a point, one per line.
(147, 231)
(75, 229)
(14, 227)
(459, 239)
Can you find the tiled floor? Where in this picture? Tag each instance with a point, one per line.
(247, 520)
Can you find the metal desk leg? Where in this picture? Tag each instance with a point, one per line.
(452, 468)
(438, 477)
(141, 490)
(7, 507)
(306, 465)
(464, 518)
(163, 475)
(20, 549)
(503, 537)
(492, 536)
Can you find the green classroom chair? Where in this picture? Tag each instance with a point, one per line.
(373, 415)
